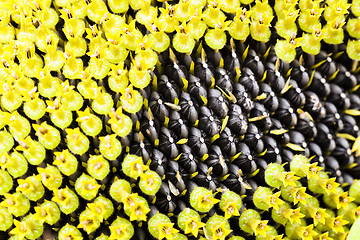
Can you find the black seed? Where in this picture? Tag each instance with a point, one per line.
(222, 79)
(342, 152)
(150, 126)
(205, 71)
(246, 160)
(189, 108)
(314, 106)
(197, 90)
(238, 122)
(165, 200)
(282, 138)
(218, 103)
(141, 146)
(169, 90)
(174, 173)
(332, 118)
(350, 126)
(254, 63)
(253, 138)
(243, 98)
(206, 177)
(198, 142)
(260, 112)
(158, 107)
(344, 78)
(306, 126)
(328, 66)
(274, 78)
(145, 92)
(354, 101)
(176, 73)
(185, 59)
(325, 138)
(187, 160)
(259, 47)
(338, 97)
(332, 166)
(260, 176)
(298, 139)
(217, 161)
(285, 113)
(270, 101)
(158, 162)
(213, 56)
(272, 150)
(286, 155)
(295, 95)
(299, 74)
(227, 142)
(309, 60)
(250, 83)
(347, 178)
(167, 143)
(178, 125)
(231, 62)
(208, 122)
(316, 154)
(319, 85)
(236, 181)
